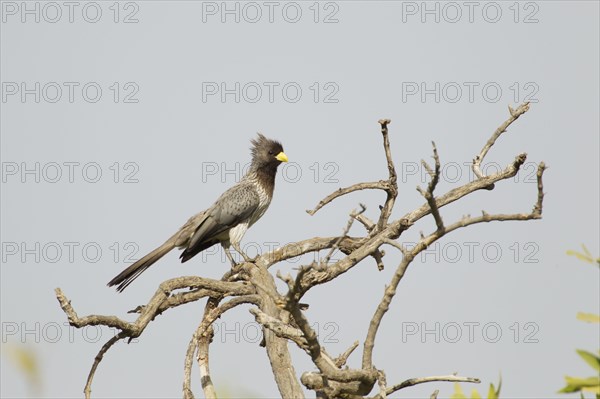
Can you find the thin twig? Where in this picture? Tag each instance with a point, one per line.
(343, 358)
(390, 186)
(537, 209)
(382, 382)
(435, 176)
(415, 381)
(368, 223)
(345, 232)
(382, 308)
(88, 384)
(392, 190)
(286, 279)
(376, 185)
(514, 115)
(397, 245)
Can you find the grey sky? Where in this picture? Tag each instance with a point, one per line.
(167, 142)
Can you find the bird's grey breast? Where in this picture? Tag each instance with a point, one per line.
(264, 200)
(250, 199)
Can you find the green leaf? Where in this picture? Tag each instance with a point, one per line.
(590, 359)
(580, 256)
(569, 389)
(25, 359)
(458, 392)
(583, 382)
(588, 317)
(492, 392)
(587, 251)
(586, 256)
(575, 384)
(499, 386)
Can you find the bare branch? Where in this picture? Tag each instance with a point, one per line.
(282, 317)
(324, 363)
(376, 185)
(88, 385)
(390, 186)
(397, 245)
(457, 193)
(382, 382)
(514, 115)
(201, 339)
(415, 381)
(392, 190)
(315, 244)
(203, 363)
(343, 358)
(390, 291)
(157, 304)
(160, 302)
(281, 329)
(286, 279)
(277, 350)
(204, 335)
(435, 176)
(345, 232)
(365, 247)
(368, 223)
(382, 308)
(203, 330)
(537, 209)
(329, 370)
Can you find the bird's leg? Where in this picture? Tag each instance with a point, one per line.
(235, 267)
(236, 246)
(229, 256)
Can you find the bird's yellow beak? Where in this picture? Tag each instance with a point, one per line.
(281, 157)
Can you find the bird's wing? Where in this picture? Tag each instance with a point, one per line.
(235, 206)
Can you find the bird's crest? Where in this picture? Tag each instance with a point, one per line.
(261, 142)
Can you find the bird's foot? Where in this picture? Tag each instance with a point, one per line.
(230, 258)
(238, 273)
(248, 259)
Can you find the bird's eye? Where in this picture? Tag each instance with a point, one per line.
(271, 153)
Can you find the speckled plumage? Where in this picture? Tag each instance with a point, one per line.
(228, 219)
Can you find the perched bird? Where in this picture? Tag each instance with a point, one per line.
(227, 220)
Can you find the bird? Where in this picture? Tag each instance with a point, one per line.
(227, 220)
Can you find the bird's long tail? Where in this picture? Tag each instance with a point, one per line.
(127, 276)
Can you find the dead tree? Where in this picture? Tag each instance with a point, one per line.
(281, 314)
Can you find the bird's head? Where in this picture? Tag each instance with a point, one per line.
(267, 153)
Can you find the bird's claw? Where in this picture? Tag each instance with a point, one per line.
(248, 259)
